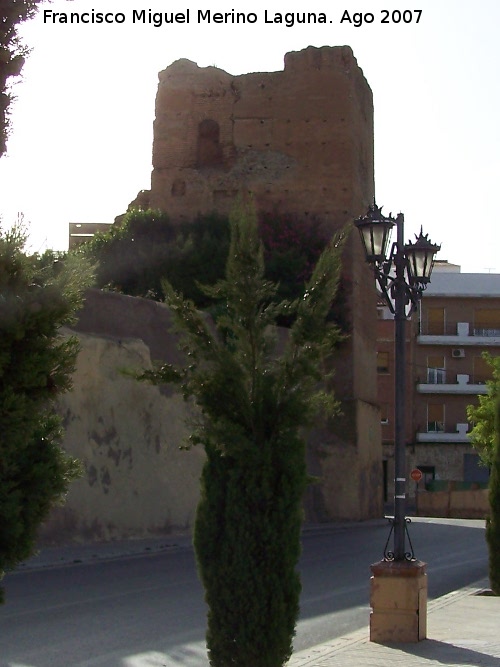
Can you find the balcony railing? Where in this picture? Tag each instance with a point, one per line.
(442, 376)
(439, 381)
(478, 329)
(435, 427)
(485, 332)
(440, 432)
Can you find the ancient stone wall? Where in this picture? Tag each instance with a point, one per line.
(301, 139)
(136, 481)
(127, 435)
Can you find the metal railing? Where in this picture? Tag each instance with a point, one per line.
(452, 329)
(437, 376)
(435, 427)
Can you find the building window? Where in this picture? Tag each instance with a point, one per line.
(435, 321)
(384, 413)
(382, 362)
(436, 373)
(435, 417)
(487, 322)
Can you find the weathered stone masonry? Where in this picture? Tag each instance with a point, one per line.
(301, 139)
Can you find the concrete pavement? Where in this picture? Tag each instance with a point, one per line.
(462, 629)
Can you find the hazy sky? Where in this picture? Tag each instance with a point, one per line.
(80, 147)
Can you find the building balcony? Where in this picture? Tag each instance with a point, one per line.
(436, 434)
(441, 382)
(458, 334)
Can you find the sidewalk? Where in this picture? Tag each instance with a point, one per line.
(93, 552)
(463, 629)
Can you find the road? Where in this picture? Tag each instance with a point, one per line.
(148, 610)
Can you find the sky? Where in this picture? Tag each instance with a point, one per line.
(82, 122)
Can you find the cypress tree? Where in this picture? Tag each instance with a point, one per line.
(12, 54)
(493, 521)
(255, 396)
(37, 297)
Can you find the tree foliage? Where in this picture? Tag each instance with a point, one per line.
(292, 246)
(12, 53)
(37, 297)
(482, 435)
(493, 520)
(146, 248)
(256, 394)
(137, 255)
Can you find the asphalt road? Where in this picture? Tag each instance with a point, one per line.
(148, 610)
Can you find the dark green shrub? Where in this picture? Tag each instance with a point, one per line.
(493, 521)
(36, 299)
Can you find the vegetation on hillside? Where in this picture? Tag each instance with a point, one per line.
(136, 256)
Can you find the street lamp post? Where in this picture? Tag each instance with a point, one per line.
(399, 582)
(402, 277)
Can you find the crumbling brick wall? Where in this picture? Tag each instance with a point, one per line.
(301, 139)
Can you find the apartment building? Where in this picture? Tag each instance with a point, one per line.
(458, 319)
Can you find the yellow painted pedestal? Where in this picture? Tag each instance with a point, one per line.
(398, 598)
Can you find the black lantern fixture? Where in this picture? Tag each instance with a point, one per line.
(375, 229)
(402, 277)
(420, 259)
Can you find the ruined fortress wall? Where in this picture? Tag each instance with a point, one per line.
(136, 481)
(127, 434)
(301, 139)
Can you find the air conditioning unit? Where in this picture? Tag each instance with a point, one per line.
(458, 353)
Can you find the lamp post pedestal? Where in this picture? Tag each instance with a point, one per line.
(398, 598)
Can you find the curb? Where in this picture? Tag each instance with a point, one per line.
(52, 557)
(77, 554)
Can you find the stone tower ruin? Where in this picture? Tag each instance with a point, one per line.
(301, 141)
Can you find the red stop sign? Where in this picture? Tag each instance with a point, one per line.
(416, 475)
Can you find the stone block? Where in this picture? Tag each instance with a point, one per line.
(398, 597)
(394, 627)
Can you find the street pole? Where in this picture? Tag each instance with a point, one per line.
(400, 393)
(398, 592)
